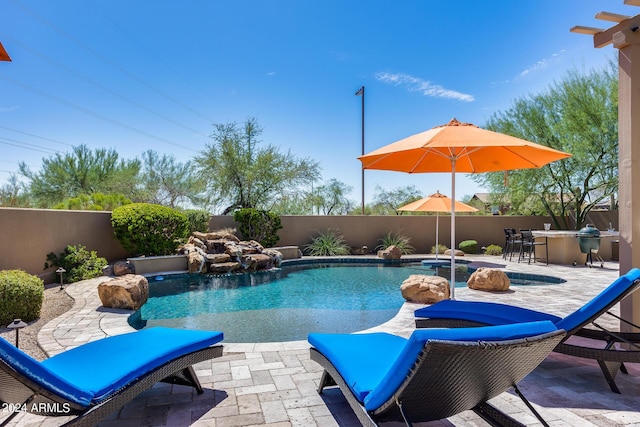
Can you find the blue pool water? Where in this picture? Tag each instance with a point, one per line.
(283, 304)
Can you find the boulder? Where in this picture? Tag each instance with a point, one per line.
(233, 250)
(121, 268)
(129, 292)
(392, 252)
(425, 289)
(489, 279)
(248, 249)
(255, 262)
(360, 251)
(231, 237)
(275, 255)
(107, 270)
(197, 243)
(224, 267)
(217, 258)
(195, 262)
(459, 253)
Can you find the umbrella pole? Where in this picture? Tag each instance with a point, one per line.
(437, 227)
(452, 285)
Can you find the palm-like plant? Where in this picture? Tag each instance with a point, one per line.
(331, 243)
(398, 240)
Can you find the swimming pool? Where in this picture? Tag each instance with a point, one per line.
(284, 304)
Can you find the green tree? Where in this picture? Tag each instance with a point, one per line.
(331, 198)
(13, 194)
(82, 171)
(165, 181)
(578, 115)
(240, 174)
(387, 202)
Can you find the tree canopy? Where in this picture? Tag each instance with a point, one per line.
(238, 173)
(165, 181)
(387, 202)
(82, 171)
(578, 115)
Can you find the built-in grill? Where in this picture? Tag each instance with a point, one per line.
(589, 242)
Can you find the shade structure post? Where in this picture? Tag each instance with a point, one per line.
(437, 227)
(452, 285)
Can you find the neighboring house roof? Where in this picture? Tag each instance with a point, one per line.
(483, 197)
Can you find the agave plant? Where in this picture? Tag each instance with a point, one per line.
(331, 243)
(398, 240)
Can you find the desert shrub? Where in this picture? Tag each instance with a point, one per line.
(21, 296)
(493, 250)
(261, 226)
(198, 220)
(390, 239)
(94, 202)
(79, 263)
(147, 229)
(331, 243)
(441, 249)
(469, 246)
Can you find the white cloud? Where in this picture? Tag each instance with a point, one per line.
(271, 73)
(416, 84)
(541, 64)
(8, 109)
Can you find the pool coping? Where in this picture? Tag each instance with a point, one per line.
(88, 320)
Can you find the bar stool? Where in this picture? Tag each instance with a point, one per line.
(528, 246)
(511, 240)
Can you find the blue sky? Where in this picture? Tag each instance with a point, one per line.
(140, 75)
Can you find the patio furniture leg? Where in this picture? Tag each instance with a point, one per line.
(495, 417)
(325, 381)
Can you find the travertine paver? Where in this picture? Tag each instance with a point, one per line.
(275, 384)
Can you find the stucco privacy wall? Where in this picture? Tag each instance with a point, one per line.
(28, 235)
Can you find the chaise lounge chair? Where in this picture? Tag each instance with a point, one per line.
(435, 373)
(97, 378)
(452, 314)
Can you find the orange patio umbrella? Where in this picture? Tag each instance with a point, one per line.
(4, 56)
(436, 203)
(459, 147)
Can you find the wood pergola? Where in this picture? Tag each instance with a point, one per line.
(625, 36)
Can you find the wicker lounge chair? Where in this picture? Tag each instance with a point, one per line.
(452, 314)
(435, 373)
(95, 379)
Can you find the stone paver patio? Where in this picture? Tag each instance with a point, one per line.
(275, 384)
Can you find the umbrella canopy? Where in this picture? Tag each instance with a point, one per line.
(4, 56)
(459, 147)
(436, 203)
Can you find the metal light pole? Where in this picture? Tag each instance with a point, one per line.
(360, 92)
(17, 324)
(60, 271)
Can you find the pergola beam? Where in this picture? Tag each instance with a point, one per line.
(612, 17)
(581, 29)
(605, 37)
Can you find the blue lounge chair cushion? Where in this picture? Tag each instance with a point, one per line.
(502, 314)
(594, 308)
(33, 369)
(375, 365)
(351, 355)
(490, 313)
(104, 366)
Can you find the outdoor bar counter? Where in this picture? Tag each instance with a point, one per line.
(563, 246)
